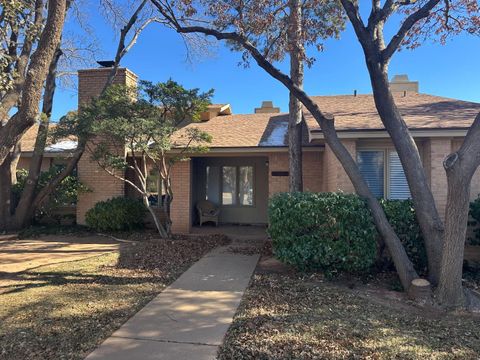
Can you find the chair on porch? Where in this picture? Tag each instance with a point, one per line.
(207, 211)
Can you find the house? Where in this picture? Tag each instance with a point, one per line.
(248, 159)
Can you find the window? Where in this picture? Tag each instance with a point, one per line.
(230, 185)
(154, 188)
(245, 185)
(212, 190)
(383, 172)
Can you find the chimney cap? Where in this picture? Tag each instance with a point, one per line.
(106, 63)
(267, 107)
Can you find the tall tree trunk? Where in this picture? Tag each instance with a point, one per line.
(25, 211)
(426, 211)
(460, 168)
(37, 72)
(17, 152)
(295, 106)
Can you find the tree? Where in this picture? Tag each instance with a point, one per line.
(280, 29)
(33, 75)
(33, 196)
(444, 242)
(460, 166)
(147, 124)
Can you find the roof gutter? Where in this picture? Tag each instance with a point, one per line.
(317, 134)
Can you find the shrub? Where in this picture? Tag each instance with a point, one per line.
(116, 214)
(475, 214)
(65, 194)
(332, 232)
(401, 215)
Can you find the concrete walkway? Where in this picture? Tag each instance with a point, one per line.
(189, 319)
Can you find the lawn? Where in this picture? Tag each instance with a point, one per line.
(290, 316)
(63, 311)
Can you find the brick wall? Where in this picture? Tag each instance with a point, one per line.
(181, 207)
(335, 178)
(102, 185)
(277, 162)
(313, 171)
(438, 148)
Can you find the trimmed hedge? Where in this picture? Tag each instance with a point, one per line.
(116, 214)
(401, 215)
(333, 232)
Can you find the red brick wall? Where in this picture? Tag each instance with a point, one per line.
(102, 185)
(277, 162)
(181, 207)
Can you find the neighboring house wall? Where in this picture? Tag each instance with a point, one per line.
(102, 185)
(24, 163)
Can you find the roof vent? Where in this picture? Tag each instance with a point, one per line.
(267, 108)
(401, 83)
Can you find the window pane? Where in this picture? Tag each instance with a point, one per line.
(212, 190)
(152, 181)
(245, 186)
(229, 185)
(371, 164)
(398, 186)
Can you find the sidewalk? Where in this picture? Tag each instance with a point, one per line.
(189, 319)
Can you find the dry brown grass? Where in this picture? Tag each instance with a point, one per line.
(63, 311)
(290, 317)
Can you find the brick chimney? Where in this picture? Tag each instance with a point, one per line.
(267, 108)
(102, 185)
(401, 83)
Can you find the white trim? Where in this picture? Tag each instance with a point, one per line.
(360, 134)
(252, 149)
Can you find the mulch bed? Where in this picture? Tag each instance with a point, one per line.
(64, 311)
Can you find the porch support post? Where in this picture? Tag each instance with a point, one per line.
(181, 207)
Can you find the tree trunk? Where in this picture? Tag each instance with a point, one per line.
(163, 233)
(5, 194)
(295, 106)
(427, 214)
(17, 152)
(450, 289)
(25, 210)
(37, 71)
(460, 168)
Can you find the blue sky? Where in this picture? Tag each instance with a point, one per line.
(451, 70)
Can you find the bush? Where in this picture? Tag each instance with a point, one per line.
(401, 215)
(65, 194)
(475, 214)
(332, 232)
(116, 214)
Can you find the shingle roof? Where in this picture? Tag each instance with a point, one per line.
(420, 111)
(250, 130)
(27, 142)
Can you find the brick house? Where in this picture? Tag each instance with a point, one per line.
(248, 158)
